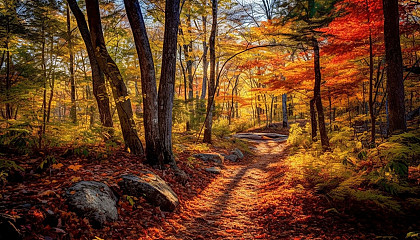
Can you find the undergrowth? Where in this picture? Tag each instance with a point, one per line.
(355, 178)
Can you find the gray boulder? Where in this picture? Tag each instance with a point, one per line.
(214, 157)
(232, 158)
(150, 186)
(214, 170)
(238, 153)
(94, 200)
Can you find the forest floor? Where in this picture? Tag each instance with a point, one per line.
(258, 197)
(226, 208)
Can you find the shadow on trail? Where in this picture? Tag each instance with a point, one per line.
(223, 210)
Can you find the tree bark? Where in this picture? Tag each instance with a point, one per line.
(148, 81)
(98, 79)
(313, 119)
(317, 97)
(284, 108)
(371, 101)
(205, 62)
(73, 114)
(52, 80)
(167, 80)
(119, 90)
(211, 84)
(395, 82)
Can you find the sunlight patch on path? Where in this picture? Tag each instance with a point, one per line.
(223, 209)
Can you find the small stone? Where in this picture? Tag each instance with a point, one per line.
(214, 170)
(214, 157)
(238, 153)
(27, 205)
(232, 158)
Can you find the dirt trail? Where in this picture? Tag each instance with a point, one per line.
(223, 210)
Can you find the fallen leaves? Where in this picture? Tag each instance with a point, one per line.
(57, 165)
(75, 167)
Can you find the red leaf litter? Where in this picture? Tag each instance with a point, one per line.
(255, 198)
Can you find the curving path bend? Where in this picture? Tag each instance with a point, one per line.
(224, 209)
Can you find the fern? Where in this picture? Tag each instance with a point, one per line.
(5, 167)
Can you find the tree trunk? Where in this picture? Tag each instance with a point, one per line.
(232, 107)
(330, 108)
(121, 98)
(284, 109)
(44, 84)
(313, 119)
(52, 80)
(371, 101)
(211, 85)
(98, 79)
(8, 113)
(205, 62)
(73, 115)
(148, 81)
(167, 80)
(317, 97)
(395, 82)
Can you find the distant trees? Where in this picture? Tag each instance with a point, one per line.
(10, 28)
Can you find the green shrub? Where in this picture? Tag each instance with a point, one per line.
(17, 139)
(221, 128)
(5, 167)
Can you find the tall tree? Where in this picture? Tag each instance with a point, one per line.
(108, 66)
(205, 62)
(73, 114)
(148, 81)
(98, 79)
(307, 17)
(157, 105)
(317, 95)
(212, 80)
(394, 67)
(167, 79)
(119, 90)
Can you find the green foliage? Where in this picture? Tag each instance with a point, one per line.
(131, 200)
(5, 167)
(221, 128)
(47, 162)
(395, 156)
(349, 173)
(17, 139)
(81, 151)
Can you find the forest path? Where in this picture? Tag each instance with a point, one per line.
(224, 209)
